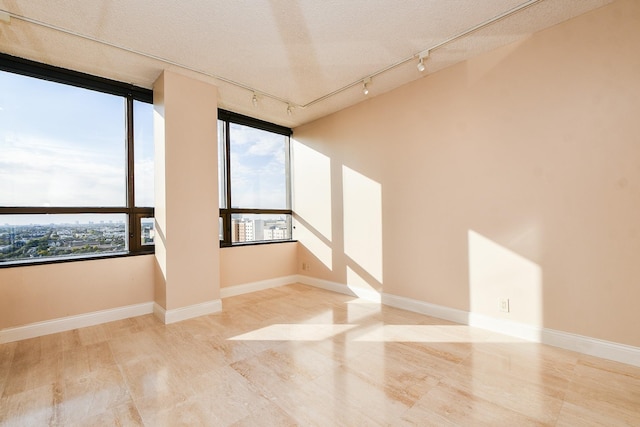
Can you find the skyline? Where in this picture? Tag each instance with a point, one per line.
(59, 219)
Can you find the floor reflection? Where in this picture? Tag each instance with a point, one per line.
(297, 355)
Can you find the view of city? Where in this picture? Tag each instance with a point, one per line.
(19, 242)
(253, 228)
(22, 242)
(40, 241)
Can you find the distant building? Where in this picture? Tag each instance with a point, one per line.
(275, 234)
(242, 230)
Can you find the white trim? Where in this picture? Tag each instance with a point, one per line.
(188, 312)
(582, 344)
(63, 324)
(433, 310)
(159, 312)
(232, 291)
(354, 291)
(592, 346)
(579, 343)
(325, 284)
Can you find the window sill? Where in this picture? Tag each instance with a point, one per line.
(31, 261)
(265, 242)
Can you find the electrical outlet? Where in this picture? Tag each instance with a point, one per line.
(504, 305)
(306, 266)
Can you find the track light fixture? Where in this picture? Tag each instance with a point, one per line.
(365, 86)
(7, 17)
(289, 110)
(421, 57)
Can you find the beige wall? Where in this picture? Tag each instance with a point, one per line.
(43, 292)
(513, 175)
(186, 190)
(247, 264)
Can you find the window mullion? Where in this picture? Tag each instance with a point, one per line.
(132, 219)
(227, 174)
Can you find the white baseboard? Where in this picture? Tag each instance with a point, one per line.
(69, 323)
(582, 344)
(433, 310)
(366, 294)
(184, 313)
(592, 346)
(246, 288)
(579, 343)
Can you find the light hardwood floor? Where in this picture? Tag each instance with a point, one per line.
(297, 355)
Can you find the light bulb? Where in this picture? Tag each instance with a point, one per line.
(365, 89)
(421, 57)
(254, 100)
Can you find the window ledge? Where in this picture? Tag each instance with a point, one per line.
(37, 261)
(266, 242)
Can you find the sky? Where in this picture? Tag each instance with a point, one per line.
(258, 175)
(65, 146)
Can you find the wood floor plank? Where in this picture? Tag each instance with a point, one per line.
(298, 355)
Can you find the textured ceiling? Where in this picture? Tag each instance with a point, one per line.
(311, 54)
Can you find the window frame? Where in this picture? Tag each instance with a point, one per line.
(129, 93)
(226, 213)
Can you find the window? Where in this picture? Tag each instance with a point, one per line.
(76, 165)
(255, 190)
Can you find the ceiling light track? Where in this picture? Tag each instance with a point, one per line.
(150, 56)
(458, 36)
(290, 105)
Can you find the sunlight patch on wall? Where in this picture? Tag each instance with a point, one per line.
(314, 244)
(312, 187)
(497, 274)
(362, 202)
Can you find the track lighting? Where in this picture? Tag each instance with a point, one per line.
(421, 57)
(254, 100)
(289, 109)
(365, 86)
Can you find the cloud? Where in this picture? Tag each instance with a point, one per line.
(266, 147)
(37, 171)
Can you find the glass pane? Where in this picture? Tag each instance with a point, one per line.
(147, 232)
(60, 145)
(221, 229)
(41, 237)
(260, 227)
(258, 169)
(143, 153)
(222, 166)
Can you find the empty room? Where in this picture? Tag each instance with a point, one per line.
(306, 213)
